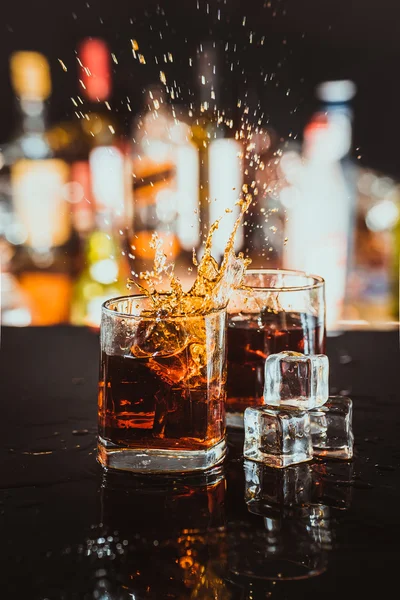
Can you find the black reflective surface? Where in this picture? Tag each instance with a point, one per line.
(324, 529)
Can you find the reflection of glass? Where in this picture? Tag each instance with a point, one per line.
(162, 388)
(284, 311)
(171, 530)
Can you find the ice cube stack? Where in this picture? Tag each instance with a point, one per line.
(298, 419)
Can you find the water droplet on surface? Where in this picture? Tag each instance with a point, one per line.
(345, 359)
(38, 453)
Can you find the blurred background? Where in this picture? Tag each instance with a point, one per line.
(121, 119)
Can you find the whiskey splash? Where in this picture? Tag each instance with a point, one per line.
(213, 285)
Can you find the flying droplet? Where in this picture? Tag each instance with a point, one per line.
(64, 68)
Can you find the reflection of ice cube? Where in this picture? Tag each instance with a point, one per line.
(331, 429)
(319, 525)
(293, 379)
(288, 493)
(313, 528)
(282, 491)
(277, 438)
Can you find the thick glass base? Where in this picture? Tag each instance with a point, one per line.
(146, 460)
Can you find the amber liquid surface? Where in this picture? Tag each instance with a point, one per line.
(251, 341)
(149, 403)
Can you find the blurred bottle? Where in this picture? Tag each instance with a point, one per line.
(373, 287)
(335, 101)
(335, 98)
(319, 211)
(14, 306)
(220, 155)
(94, 125)
(165, 182)
(154, 179)
(43, 258)
(103, 209)
(106, 250)
(265, 221)
(395, 308)
(103, 275)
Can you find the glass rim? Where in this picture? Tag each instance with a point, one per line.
(106, 310)
(318, 281)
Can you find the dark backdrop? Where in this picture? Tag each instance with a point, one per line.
(305, 41)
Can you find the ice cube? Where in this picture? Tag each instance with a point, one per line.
(173, 370)
(157, 337)
(188, 367)
(277, 438)
(293, 379)
(331, 429)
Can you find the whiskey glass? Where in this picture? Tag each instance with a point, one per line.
(161, 405)
(277, 310)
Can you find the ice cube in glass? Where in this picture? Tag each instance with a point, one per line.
(277, 438)
(331, 429)
(293, 379)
